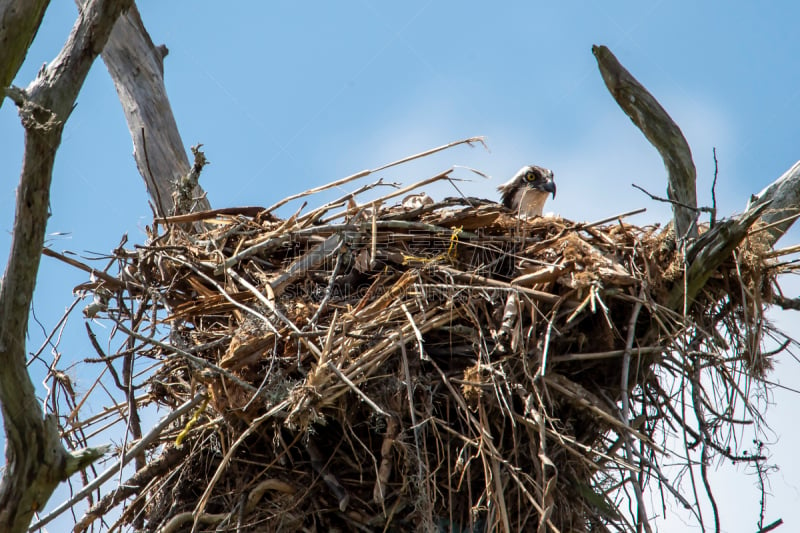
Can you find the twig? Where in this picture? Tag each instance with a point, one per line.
(786, 303)
(673, 202)
(773, 525)
(365, 173)
(355, 389)
(611, 219)
(713, 210)
(111, 280)
(605, 355)
(125, 457)
(626, 363)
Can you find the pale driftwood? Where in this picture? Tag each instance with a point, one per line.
(662, 132)
(783, 196)
(137, 68)
(19, 22)
(36, 460)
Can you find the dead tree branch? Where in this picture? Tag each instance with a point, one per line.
(783, 196)
(137, 67)
(662, 132)
(36, 460)
(19, 22)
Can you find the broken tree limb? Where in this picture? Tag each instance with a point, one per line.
(777, 205)
(137, 67)
(783, 196)
(662, 132)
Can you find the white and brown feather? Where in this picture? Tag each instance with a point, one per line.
(528, 190)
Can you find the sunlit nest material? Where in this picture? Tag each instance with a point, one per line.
(369, 366)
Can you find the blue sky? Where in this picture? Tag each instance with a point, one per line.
(286, 96)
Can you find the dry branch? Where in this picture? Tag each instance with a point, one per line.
(662, 132)
(136, 66)
(19, 22)
(783, 197)
(36, 460)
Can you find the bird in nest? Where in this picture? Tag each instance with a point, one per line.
(527, 191)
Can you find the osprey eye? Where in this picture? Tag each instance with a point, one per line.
(529, 176)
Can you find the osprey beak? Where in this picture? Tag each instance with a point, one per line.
(550, 186)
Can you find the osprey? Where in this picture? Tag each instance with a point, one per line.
(527, 191)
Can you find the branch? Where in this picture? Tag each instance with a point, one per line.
(19, 22)
(783, 196)
(125, 457)
(36, 460)
(662, 132)
(136, 66)
(709, 251)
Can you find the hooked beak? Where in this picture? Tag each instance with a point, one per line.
(550, 186)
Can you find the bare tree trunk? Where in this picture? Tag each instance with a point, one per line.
(36, 460)
(19, 22)
(136, 66)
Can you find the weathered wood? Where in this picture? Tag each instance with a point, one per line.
(777, 205)
(137, 69)
(783, 196)
(19, 22)
(36, 461)
(662, 132)
(708, 252)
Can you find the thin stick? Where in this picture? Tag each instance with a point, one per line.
(125, 457)
(365, 173)
(626, 408)
(605, 355)
(616, 217)
(355, 389)
(399, 192)
(111, 280)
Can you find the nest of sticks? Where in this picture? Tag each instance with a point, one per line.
(386, 366)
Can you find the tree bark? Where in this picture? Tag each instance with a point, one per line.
(662, 132)
(19, 22)
(783, 197)
(36, 460)
(136, 66)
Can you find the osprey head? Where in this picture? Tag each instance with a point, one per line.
(527, 191)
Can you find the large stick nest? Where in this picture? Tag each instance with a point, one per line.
(434, 367)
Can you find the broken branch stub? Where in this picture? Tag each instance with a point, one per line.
(783, 196)
(662, 132)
